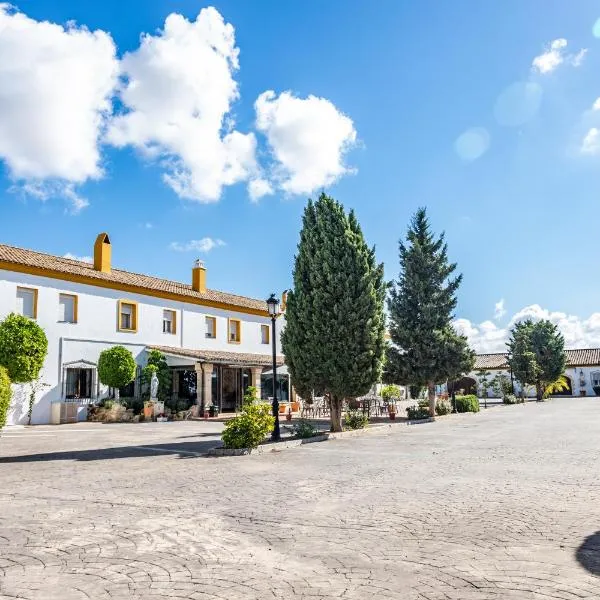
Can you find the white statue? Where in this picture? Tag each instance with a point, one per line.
(153, 386)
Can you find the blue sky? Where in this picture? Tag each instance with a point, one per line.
(379, 95)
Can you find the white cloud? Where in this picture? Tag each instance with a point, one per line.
(591, 141)
(554, 55)
(178, 89)
(43, 190)
(56, 85)
(499, 310)
(257, 188)
(206, 244)
(596, 105)
(87, 259)
(488, 337)
(308, 138)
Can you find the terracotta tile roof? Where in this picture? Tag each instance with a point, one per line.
(245, 359)
(56, 266)
(585, 357)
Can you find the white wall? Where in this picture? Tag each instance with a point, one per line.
(96, 330)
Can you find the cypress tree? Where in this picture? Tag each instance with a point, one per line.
(425, 348)
(334, 339)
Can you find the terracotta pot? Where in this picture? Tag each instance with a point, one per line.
(148, 412)
(288, 416)
(392, 416)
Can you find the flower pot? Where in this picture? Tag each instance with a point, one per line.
(392, 416)
(288, 416)
(148, 412)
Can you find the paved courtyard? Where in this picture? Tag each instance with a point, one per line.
(500, 505)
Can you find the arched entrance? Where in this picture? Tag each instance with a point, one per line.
(565, 392)
(467, 384)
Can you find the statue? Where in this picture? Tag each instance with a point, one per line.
(153, 386)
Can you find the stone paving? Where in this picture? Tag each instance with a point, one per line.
(500, 505)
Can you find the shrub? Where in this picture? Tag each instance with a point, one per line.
(116, 367)
(134, 404)
(305, 429)
(250, 396)
(390, 391)
(354, 419)
(417, 412)
(443, 407)
(250, 428)
(23, 348)
(467, 404)
(5, 394)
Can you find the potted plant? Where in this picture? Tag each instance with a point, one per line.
(161, 418)
(392, 410)
(148, 409)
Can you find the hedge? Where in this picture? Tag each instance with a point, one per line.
(468, 403)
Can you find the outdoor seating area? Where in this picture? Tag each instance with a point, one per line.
(370, 405)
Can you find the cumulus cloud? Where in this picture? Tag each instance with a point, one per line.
(591, 141)
(554, 55)
(499, 310)
(488, 337)
(308, 138)
(178, 89)
(87, 259)
(56, 85)
(204, 245)
(596, 105)
(174, 97)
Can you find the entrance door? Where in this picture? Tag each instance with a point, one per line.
(231, 397)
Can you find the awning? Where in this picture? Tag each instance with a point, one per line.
(217, 357)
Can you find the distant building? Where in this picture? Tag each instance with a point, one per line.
(582, 373)
(216, 343)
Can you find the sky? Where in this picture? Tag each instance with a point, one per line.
(191, 130)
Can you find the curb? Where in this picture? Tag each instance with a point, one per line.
(418, 421)
(278, 446)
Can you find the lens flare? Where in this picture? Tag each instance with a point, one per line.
(472, 144)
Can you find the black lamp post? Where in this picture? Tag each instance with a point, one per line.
(273, 304)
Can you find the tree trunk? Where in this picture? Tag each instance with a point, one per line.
(117, 394)
(336, 413)
(539, 392)
(431, 394)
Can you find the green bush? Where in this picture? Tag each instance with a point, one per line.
(390, 391)
(442, 407)
(415, 413)
(355, 419)
(250, 428)
(512, 399)
(5, 394)
(23, 348)
(135, 404)
(116, 367)
(305, 429)
(467, 404)
(415, 391)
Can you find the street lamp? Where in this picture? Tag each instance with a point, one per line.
(273, 304)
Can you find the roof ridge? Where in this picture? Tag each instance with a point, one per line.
(89, 266)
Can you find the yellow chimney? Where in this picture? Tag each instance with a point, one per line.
(102, 252)
(199, 277)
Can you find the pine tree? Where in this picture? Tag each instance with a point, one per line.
(425, 348)
(334, 339)
(537, 354)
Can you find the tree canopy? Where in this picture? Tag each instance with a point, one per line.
(425, 349)
(116, 367)
(334, 338)
(537, 354)
(163, 373)
(23, 348)
(5, 395)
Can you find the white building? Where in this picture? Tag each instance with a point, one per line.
(217, 343)
(582, 372)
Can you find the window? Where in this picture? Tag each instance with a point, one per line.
(264, 334)
(234, 330)
(169, 321)
(27, 302)
(595, 377)
(127, 316)
(78, 384)
(211, 327)
(67, 308)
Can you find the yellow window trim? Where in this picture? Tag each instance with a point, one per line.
(239, 330)
(35, 298)
(75, 305)
(214, 320)
(268, 330)
(174, 321)
(134, 316)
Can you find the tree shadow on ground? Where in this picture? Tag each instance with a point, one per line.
(588, 554)
(181, 450)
